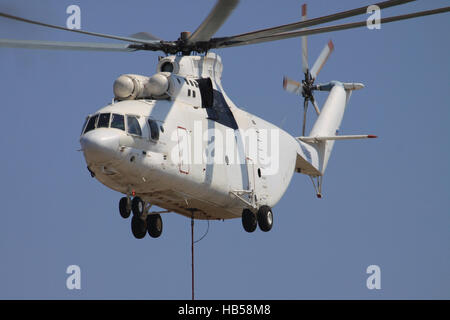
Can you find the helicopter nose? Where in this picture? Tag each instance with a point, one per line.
(100, 145)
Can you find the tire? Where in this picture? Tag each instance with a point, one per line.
(138, 227)
(249, 220)
(265, 218)
(124, 208)
(154, 225)
(137, 206)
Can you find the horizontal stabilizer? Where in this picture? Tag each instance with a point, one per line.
(352, 137)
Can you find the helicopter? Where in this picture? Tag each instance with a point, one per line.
(175, 140)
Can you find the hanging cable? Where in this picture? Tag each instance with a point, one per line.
(192, 248)
(204, 235)
(192, 252)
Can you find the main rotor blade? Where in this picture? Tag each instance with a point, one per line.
(214, 20)
(340, 27)
(57, 45)
(305, 65)
(144, 36)
(322, 59)
(95, 34)
(292, 86)
(309, 23)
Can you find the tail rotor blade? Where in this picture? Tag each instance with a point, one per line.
(316, 107)
(305, 65)
(292, 86)
(305, 109)
(322, 59)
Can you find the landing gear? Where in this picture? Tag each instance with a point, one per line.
(138, 227)
(125, 207)
(137, 205)
(142, 221)
(265, 218)
(154, 225)
(249, 220)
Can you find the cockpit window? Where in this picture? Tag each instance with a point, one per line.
(154, 129)
(103, 120)
(91, 123)
(118, 121)
(84, 125)
(133, 126)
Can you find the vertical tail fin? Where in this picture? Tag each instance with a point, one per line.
(329, 121)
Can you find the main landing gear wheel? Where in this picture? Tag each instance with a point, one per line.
(154, 225)
(138, 227)
(124, 207)
(265, 218)
(137, 206)
(249, 220)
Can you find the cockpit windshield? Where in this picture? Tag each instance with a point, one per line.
(91, 123)
(114, 120)
(118, 121)
(105, 120)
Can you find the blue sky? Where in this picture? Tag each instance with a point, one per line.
(386, 201)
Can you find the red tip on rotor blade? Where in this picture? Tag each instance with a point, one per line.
(331, 45)
(371, 136)
(304, 10)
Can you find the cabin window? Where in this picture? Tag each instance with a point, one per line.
(178, 80)
(259, 172)
(193, 93)
(133, 126)
(189, 92)
(103, 120)
(91, 123)
(118, 122)
(154, 129)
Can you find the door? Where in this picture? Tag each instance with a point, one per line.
(184, 150)
(240, 170)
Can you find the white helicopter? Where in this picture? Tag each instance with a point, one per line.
(175, 139)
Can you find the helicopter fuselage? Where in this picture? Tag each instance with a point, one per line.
(178, 154)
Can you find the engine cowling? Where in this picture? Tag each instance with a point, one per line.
(133, 86)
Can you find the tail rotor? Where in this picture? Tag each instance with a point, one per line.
(306, 87)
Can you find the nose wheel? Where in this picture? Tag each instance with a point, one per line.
(137, 206)
(142, 221)
(154, 225)
(125, 207)
(138, 227)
